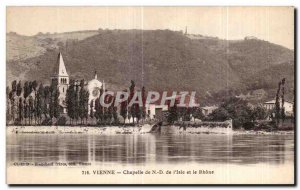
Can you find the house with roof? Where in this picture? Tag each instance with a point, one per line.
(158, 109)
(288, 106)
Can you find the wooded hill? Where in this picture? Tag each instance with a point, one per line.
(158, 59)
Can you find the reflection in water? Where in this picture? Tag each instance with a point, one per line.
(149, 148)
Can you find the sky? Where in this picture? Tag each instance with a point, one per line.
(274, 24)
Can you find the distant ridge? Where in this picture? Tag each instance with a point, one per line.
(170, 59)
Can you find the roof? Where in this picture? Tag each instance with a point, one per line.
(60, 68)
(274, 101)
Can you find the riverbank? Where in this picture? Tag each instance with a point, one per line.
(111, 130)
(142, 129)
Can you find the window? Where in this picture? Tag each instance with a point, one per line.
(63, 89)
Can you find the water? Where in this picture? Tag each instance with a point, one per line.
(151, 149)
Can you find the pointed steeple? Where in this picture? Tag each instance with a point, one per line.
(60, 68)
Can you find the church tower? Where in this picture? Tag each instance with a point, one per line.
(61, 76)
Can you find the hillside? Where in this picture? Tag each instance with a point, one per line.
(160, 60)
(23, 47)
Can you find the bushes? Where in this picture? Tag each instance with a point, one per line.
(248, 125)
(236, 109)
(46, 121)
(61, 121)
(241, 113)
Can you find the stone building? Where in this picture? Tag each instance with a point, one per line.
(61, 76)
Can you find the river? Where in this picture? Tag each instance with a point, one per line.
(153, 149)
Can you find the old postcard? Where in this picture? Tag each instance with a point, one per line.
(150, 95)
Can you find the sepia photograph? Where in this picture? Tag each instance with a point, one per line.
(173, 95)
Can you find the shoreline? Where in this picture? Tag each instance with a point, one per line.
(134, 130)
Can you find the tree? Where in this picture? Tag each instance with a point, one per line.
(92, 109)
(98, 110)
(235, 109)
(277, 105)
(197, 113)
(45, 109)
(51, 102)
(39, 103)
(187, 114)
(259, 113)
(30, 109)
(123, 111)
(86, 106)
(19, 92)
(14, 86)
(282, 99)
(20, 110)
(12, 99)
(26, 110)
(115, 113)
(8, 104)
(138, 112)
(19, 89)
(70, 101)
(109, 113)
(144, 103)
(173, 113)
(76, 103)
(220, 114)
(83, 102)
(100, 106)
(131, 110)
(34, 86)
(56, 106)
(26, 90)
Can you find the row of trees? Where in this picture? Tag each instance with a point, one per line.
(29, 103)
(134, 111)
(77, 98)
(184, 113)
